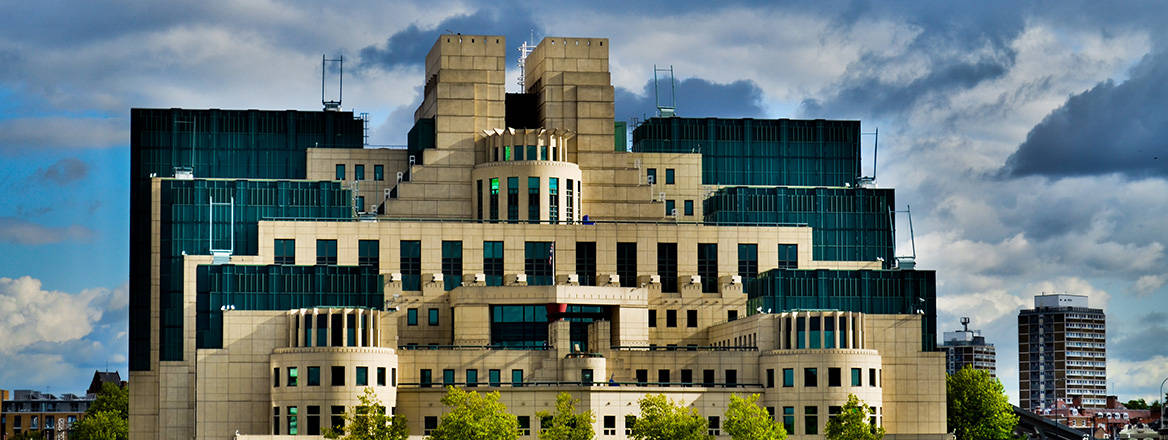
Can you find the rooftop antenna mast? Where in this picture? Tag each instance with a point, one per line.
(870, 181)
(665, 111)
(908, 261)
(525, 50)
(340, 60)
(965, 323)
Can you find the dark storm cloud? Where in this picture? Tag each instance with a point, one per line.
(1111, 128)
(64, 171)
(410, 46)
(1145, 342)
(696, 97)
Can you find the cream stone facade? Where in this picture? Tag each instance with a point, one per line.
(490, 280)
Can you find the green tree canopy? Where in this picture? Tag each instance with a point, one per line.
(978, 409)
(1136, 404)
(852, 422)
(662, 419)
(566, 424)
(475, 416)
(101, 425)
(745, 420)
(111, 398)
(370, 421)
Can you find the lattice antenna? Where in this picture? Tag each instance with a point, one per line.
(665, 110)
(525, 50)
(340, 61)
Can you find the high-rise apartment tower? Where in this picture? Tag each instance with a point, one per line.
(1062, 353)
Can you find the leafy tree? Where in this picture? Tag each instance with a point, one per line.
(852, 422)
(33, 434)
(369, 421)
(111, 398)
(475, 416)
(566, 424)
(978, 409)
(662, 419)
(102, 425)
(108, 417)
(745, 420)
(1136, 404)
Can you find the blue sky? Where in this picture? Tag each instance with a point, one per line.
(1028, 138)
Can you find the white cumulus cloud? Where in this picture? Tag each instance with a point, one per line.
(31, 315)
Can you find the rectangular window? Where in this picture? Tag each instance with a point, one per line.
(871, 377)
(494, 201)
(285, 250)
(770, 378)
(433, 317)
(708, 266)
(715, 426)
(275, 420)
(833, 377)
(800, 333)
(731, 315)
(810, 377)
(537, 264)
(506, 153)
(671, 318)
(586, 262)
(493, 262)
(276, 377)
(747, 262)
(629, 422)
(313, 420)
(381, 376)
(569, 199)
(667, 266)
(494, 378)
(651, 175)
(609, 425)
(340, 171)
(731, 378)
(412, 317)
(313, 376)
(689, 210)
(361, 378)
(293, 423)
(513, 199)
(663, 377)
(359, 172)
(652, 318)
(857, 378)
(393, 377)
(524, 421)
(533, 200)
(451, 264)
(429, 424)
(669, 176)
(337, 375)
(687, 377)
(411, 265)
(479, 205)
(642, 377)
(379, 172)
(691, 318)
(586, 378)
(368, 253)
(472, 377)
(293, 372)
(338, 417)
(425, 378)
(815, 322)
(447, 377)
(670, 207)
(707, 378)
(519, 152)
(626, 264)
(326, 252)
(828, 332)
(543, 153)
(810, 420)
(553, 200)
(789, 419)
(516, 378)
(788, 256)
(788, 377)
(359, 204)
(531, 154)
